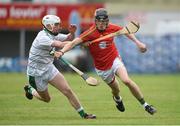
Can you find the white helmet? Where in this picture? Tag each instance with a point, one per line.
(50, 19)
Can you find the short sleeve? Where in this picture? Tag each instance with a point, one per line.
(61, 37)
(45, 41)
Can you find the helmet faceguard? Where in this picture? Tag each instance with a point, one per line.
(101, 19)
(50, 22)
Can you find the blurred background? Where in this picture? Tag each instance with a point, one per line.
(20, 21)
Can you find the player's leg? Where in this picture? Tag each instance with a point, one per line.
(114, 85)
(109, 78)
(133, 87)
(38, 88)
(41, 95)
(61, 84)
(123, 75)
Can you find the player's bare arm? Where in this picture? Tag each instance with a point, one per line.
(142, 47)
(58, 44)
(67, 47)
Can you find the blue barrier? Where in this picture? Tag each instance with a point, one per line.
(12, 64)
(163, 55)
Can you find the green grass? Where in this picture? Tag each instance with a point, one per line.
(163, 91)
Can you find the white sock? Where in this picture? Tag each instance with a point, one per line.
(145, 104)
(119, 100)
(80, 109)
(32, 90)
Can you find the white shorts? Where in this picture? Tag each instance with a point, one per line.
(109, 75)
(40, 83)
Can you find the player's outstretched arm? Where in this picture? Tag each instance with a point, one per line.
(58, 44)
(67, 47)
(142, 47)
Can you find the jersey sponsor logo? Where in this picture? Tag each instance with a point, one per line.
(102, 45)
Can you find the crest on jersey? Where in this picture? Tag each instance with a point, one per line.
(102, 45)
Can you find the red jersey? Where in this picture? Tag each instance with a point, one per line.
(103, 52)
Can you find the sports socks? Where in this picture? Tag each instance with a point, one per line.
(31, 90)
(81, 112)
(118, 98)
(143, 103)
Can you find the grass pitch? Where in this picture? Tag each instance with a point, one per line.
(163, 91)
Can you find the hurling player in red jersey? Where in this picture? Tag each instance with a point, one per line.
(106, 59)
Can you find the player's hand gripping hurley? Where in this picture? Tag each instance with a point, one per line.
(131, 28)
(89, 80)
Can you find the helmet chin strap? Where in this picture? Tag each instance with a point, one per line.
(50, 32)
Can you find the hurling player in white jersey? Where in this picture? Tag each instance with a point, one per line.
(40, 69)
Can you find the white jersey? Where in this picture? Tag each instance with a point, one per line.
(39, 57)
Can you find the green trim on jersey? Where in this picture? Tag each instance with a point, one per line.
(32, 82)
